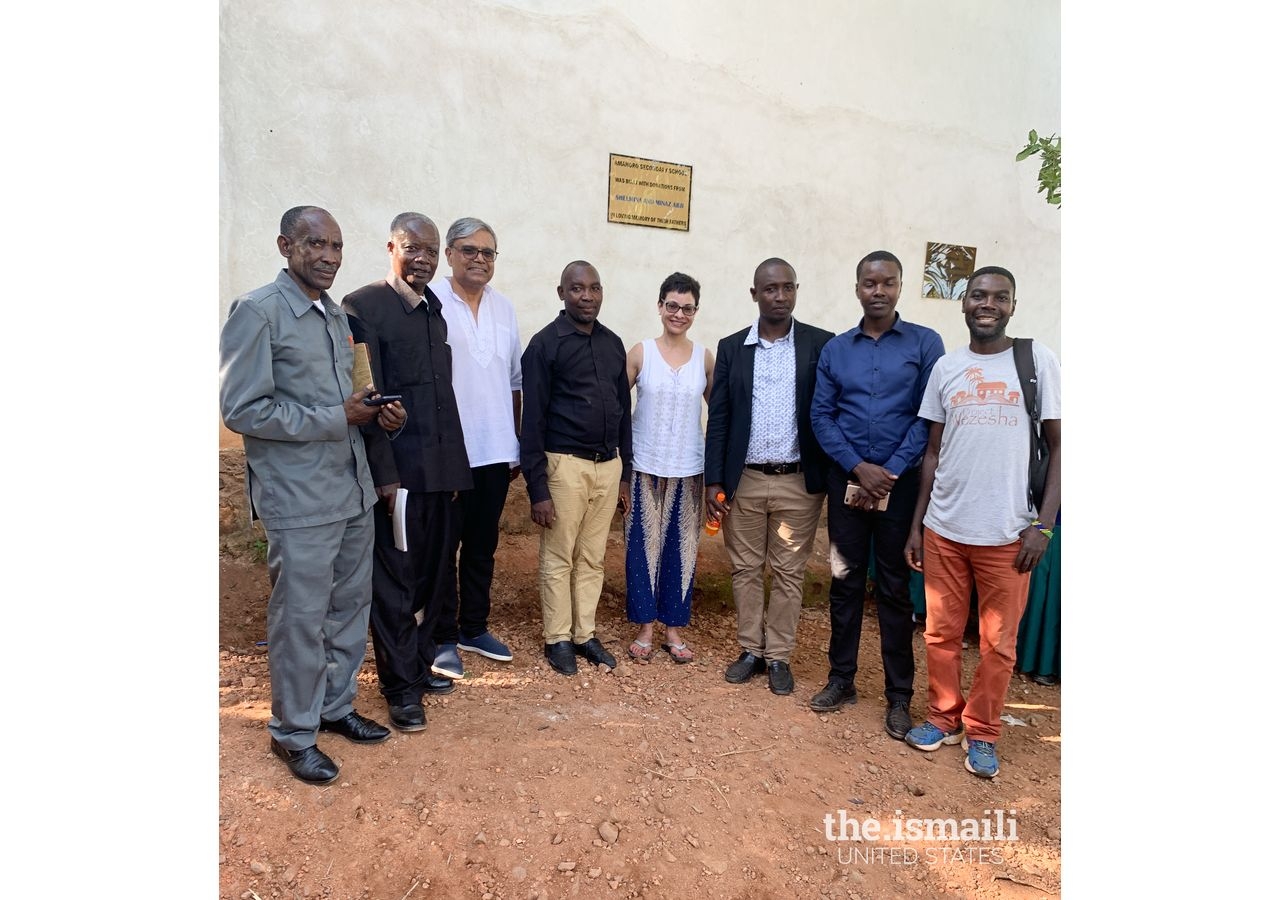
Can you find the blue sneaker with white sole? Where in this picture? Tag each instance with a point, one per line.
(486, 645)
(980, 758)
(927, 736)
(448, 663)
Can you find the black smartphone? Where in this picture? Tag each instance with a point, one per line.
(382, 400)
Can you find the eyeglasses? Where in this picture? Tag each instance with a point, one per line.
(470, 252)
(674, 308)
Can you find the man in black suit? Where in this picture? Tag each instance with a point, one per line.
(763, 457)
(400, 321)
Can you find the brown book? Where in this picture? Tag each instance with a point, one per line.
(361, 372)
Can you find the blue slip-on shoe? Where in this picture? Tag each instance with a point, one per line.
(980, 758)
(448, 663)
(486, 645)
(927, 736)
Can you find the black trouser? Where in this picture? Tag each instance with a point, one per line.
(481, 512)
(421, 578)
(851, 532)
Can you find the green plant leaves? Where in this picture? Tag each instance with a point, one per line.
(1049, 150)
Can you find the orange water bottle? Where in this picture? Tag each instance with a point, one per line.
(713, 521)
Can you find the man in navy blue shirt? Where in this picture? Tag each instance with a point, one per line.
(870, 382)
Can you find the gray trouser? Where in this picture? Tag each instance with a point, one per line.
(317, 622)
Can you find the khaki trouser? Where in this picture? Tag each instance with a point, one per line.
(771, 519)
(571, 552)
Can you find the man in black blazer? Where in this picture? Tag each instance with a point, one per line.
(763, 458)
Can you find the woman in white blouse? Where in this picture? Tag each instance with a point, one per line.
(672, 377)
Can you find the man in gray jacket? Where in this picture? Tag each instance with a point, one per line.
(286, 366)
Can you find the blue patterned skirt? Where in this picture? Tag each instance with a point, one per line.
(661, 534)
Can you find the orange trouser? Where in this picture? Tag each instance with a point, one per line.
(950, 571)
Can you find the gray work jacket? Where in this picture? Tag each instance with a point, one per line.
(285, 372)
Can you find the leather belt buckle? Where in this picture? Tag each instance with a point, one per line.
(595, 456)
(775, 468)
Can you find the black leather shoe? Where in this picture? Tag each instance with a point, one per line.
(835, 695)
(411, 717)
(560, 655)
(780, 680)
(357, 729)
(897, 721)
(593, 652)
(438, 685)
(744, 668)
(308, 764)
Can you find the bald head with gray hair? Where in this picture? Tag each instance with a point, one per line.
(467, 226)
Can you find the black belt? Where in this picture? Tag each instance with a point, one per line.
(775, 468)
(591, 456)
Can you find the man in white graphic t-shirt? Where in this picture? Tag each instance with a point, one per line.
(974, 522)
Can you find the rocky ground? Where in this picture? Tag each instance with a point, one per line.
(655, 780)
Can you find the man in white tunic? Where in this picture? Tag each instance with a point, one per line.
(485, 338)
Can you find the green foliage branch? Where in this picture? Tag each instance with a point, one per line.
(1050, 151)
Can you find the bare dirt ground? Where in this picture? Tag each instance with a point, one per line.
(657, 780)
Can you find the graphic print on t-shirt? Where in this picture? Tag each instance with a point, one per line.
(984, 391)
(986, 394)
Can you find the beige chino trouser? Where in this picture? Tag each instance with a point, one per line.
(571, 551)
(773, 519)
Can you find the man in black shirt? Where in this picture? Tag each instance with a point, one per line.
(575, 450)
(400, 322)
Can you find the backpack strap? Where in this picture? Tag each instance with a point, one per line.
(1024, 362)
(1026, 366)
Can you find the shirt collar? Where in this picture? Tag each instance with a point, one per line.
(753, 334)
(565, 326)
(897, 320)
(299, 302)
(444, 288)
(408, 296)
(446, 294)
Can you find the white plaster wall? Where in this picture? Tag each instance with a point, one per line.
(816, 133)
